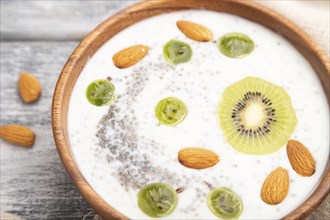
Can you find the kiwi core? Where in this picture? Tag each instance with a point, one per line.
(253, 115)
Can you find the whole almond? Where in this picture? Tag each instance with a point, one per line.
(275, 187)
(29, 87)
(17, 134)
(301, 160)
(195, 31)
(197, 158)
(129, 56)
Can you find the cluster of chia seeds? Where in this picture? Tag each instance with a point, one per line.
(125, 150)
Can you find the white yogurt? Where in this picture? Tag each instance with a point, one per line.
(132, 126)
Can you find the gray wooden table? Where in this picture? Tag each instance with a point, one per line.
(38, 37)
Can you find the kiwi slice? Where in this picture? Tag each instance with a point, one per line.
(100, 92)
(176, 52)
(157, 200)
(257, 116)
(235, 45)
(171, 111)
(224, 203)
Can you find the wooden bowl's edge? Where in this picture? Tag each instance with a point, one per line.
(60, 104)
(59, 122)
(321, 192)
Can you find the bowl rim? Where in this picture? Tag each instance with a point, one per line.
(145, 9)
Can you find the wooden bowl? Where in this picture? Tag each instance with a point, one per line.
(110, 27)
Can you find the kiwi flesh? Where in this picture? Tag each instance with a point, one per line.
(257, 116)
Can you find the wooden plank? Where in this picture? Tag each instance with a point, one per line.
(72, 20)
(54, 20)
(34, 183)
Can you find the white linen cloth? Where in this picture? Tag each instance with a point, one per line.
(313, 16)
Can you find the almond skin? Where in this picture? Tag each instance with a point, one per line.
(29, 87)
(195, 31)
(129, 56)
(197, 158)
(275, 187)
(301, 160)
(18, 135)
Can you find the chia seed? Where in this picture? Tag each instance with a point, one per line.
(117, 135)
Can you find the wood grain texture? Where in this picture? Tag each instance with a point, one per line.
(147, 9)
(72, 20)
(54, 20)
(34, 184)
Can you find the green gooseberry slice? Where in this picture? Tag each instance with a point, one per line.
(100, 92)
(176, 52)
(157, 200)
(171, 111)
(224, 203)
(235, 45)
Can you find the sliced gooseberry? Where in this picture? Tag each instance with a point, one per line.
(171, 111)
(235, 45)
(176, 52)
(100, 92)
(224, 203)
(157, 200)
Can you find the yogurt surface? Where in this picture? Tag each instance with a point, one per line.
(120, 148)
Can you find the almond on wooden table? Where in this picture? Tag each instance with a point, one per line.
(29, 87)
(18, 135)
(301, 160)
(197, 158)
(275, 187)
(129, 56)
(195, 31)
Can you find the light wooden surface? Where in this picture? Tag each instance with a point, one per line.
(34, 183)
(54, 19)
(37, 37)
